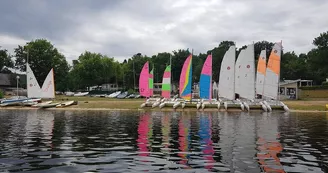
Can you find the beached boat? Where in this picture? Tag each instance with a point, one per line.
(65, 104)
(80, 94)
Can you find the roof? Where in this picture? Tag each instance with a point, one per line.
(285, 82)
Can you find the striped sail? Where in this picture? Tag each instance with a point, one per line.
(205, 83)
(144, 81)
(273, 73)
(151, 82)
(48, 87)
(227, 74)
(185, 79)
(33, 87)
(166, 83)
(260, 74)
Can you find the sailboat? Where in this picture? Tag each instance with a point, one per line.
(151, 83)
(166, 87)
(260, 74)
(272, 77)
(245, 77)
(247, 74)
(227, 77)
(205, 84)
(186, 79)
(48, 87)
(144, 83)
(33, 87)
(273, 73)
(185, 83)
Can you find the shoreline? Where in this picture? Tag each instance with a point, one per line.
(155, 109)
(109, 104)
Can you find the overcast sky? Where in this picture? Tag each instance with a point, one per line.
(121, 28)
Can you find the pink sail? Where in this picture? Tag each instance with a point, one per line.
(144, 81)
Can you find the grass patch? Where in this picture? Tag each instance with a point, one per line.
(307, 105)
(88, 98)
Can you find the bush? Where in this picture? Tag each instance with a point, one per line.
(1, 94)
(131, 91)
(325, 83)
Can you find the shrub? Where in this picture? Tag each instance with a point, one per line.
(1, 94)
(131, 91)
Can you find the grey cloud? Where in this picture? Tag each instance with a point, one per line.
(121, 28)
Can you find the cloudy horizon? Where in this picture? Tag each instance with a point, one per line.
(121, 28)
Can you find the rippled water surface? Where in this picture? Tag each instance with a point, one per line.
(90, 141)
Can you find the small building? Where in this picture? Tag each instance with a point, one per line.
(110, 87)
(289, 89)
(8, 84)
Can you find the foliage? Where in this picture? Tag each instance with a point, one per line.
(1, 94)
(42, 56)
(5, 61)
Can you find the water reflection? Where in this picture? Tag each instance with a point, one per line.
(205, 134)
(184, 138)
(64, 141)
(268, 144)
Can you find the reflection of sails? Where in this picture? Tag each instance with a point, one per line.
(205, 134)
(184, 125)
(144, 131)
(268, 145)
(166, 129)
(39, 125)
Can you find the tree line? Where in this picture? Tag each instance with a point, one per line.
(91, 69)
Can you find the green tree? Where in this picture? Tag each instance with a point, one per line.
(42, 57)
(317, 58)
(5, 61)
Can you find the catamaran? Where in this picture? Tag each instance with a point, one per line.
(272, 77)
(185, 83)
(205, 85)
(245, 77)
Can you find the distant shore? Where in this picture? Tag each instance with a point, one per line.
(108, 104)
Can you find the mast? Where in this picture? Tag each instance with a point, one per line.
(192, 52)
(278, 92)
(170, 74)
(211, 84)
(265, 74)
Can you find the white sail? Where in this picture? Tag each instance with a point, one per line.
(48, 87)
(227, 74)
(260, 74)
(238, 72)
(247, 78)
(33, 87)
(273, 73)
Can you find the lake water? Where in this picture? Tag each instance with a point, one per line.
(113, 141)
